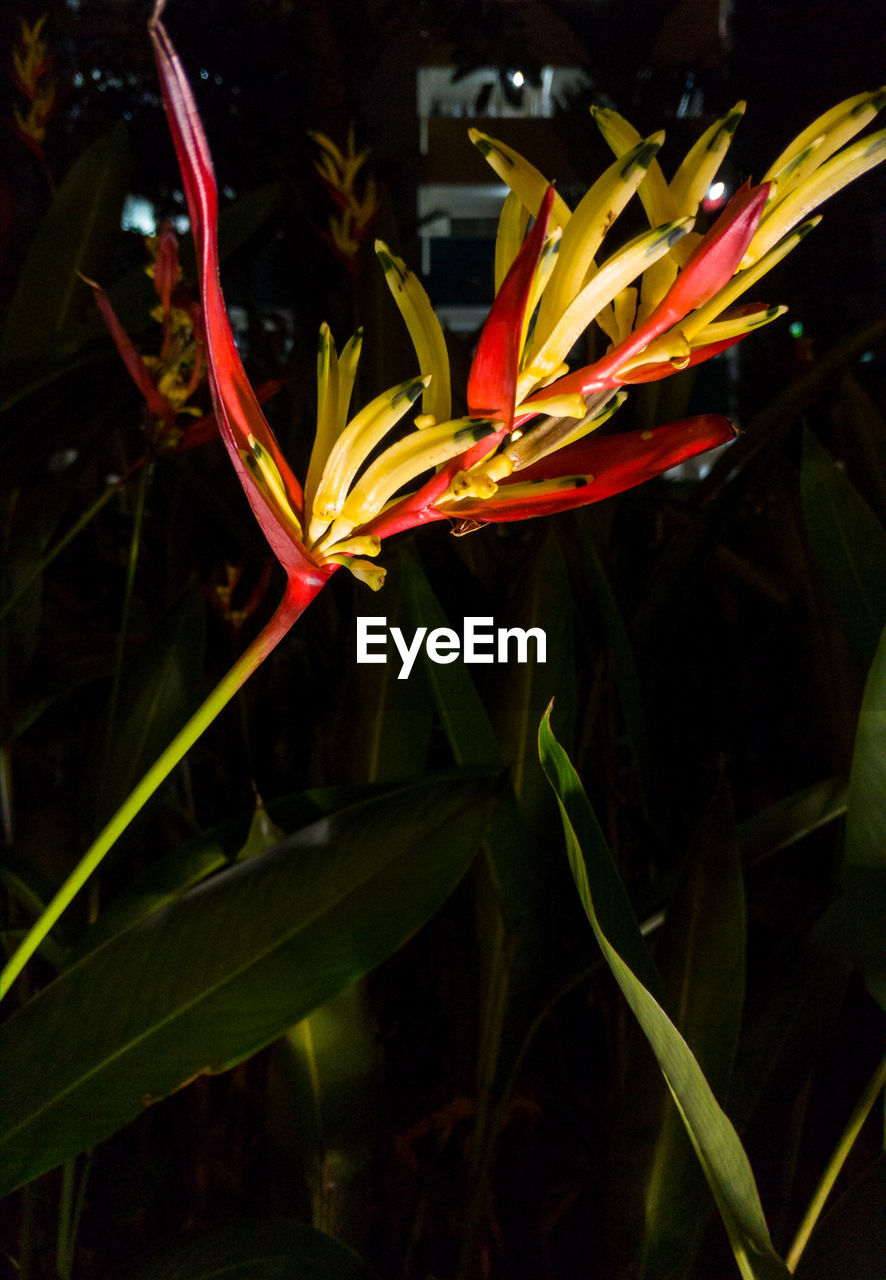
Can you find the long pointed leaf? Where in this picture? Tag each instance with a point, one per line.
(721, 1154)
(221, 972)
(864, 866)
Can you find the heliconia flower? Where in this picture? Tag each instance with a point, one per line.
(525, 447)
(32, 65)
(338, 172)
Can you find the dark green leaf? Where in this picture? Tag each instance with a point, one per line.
(223, 970)
(850, 547)
(721, 1154)
(600, 887)
(78, 234)
(784, 823)
(864, 865)
(701, 958)
(269, 1250)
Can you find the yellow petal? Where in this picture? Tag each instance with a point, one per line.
(522, 177)
(621, 138)
(354, 446)
(263, 469)
(589, 223)
(612, 277)
(424, 330)
(327, 412)
(404, 461)
(566, 406)
(347, 372)
(831, 177)
(694, 176)
(541, 275)
(704, 316)
(512, 223)
(371, 575)
(835, 128)
(670, 348)
(657, 279)
(738, 325)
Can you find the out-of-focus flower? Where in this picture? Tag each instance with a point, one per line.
(167, 380)
(524, 448)
(32, 65)
(339, 172)
(221, 594)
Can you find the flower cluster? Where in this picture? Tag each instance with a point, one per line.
(338, 172)
(664, 301)
(32, 65)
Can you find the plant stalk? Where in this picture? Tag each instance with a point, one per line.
(299, 593)
(835, 1164)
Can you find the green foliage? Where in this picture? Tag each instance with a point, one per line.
(186, 993)
(716, 1143)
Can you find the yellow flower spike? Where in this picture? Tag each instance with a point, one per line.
(612, 277)
(547, 263)
(568, 406)
(521, 451)
(347, 373)
(624, 312)
(588, 225)
(402, 462)
(831, 177)
(692, 179)
(656, 281)
(826, 135)
(326, 144)
(671, 348)
(354, 446)
(362, 545)
(621, 137)
(512, 224)
(371, 575)
(328, 416)
(522, 177)
(738, 325)
(424, 330)
(264, 472)
(704, 317)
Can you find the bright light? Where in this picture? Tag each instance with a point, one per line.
(796, 329)
(716, 191)
(517, 79)
(138, 215)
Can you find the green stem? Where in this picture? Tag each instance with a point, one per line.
(835, 1164)
(299, 594)
(77, 527)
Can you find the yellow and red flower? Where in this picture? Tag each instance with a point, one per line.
(525, 448)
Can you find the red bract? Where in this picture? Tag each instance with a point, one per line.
(353, 501)
(492, 381)
(240, 419)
